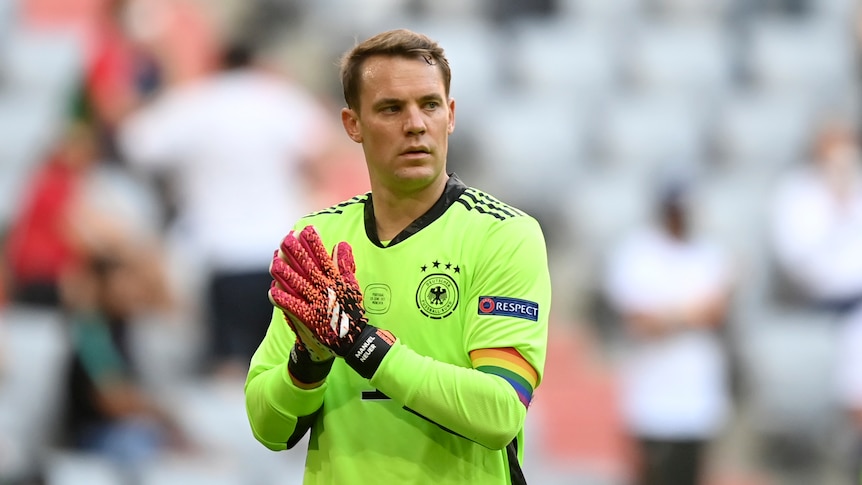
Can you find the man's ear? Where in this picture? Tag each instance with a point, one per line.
(350, 120)
(451, 126)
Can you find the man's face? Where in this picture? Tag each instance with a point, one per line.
(403, 121)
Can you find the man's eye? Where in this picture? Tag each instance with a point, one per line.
(390, 109)
(432, 105)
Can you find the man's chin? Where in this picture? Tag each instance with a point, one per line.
(417, 178)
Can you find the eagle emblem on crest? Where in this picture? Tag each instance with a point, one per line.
(438, 294)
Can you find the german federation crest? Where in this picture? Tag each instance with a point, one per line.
(437, 296)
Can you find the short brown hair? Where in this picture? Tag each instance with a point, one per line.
(399, 42)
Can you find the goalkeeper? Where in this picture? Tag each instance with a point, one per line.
(410, 324)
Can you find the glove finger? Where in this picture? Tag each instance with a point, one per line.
(311, 242)
(290, 303)
(278, 271)
(289, 280)
(292, 324)
(342, 254)
(306, 340)
(301, 260)
(299, 328)
(292, 253)
(291, 321)
(312, 342)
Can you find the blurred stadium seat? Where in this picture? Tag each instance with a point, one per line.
(808, 58)
(73, 468)
(341, 15)
(789, 360)
(640, 132)
(760, 131)
(693, 60)
(563, 56)
(8, 16)
(34, 351)
(839, 11)
(44, 63)
(605, 205)
(534, 146)
(695, 11)
(606, 12)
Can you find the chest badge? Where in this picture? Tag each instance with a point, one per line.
(437, 295)
(377, 299)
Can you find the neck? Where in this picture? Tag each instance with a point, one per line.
(394, 211)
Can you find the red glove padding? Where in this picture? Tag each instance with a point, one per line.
(322, 293)
(305, 340)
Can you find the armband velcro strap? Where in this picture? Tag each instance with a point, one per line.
(306, 370)
(368, 351)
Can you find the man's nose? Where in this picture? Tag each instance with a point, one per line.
(414, 123)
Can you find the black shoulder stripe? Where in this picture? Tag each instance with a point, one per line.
(338, 208)
(482, 210)
(485, 204)
(469, 193)
(498, 208)
(502, 206)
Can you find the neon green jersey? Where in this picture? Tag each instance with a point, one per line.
(470, 274)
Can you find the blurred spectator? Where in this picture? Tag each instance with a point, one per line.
(41, 243)
(817, 223)
(118, 71)
(671, 290)
(240, 148)
(131, 48)
(108, 411)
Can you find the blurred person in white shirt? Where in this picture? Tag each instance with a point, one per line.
(239, 149)
(671, 289)
(817, 222)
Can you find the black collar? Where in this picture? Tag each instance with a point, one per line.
(453, 190)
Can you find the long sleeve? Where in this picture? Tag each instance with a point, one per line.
(481, 407)
(273, 403)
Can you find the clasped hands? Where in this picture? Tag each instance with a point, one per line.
(318, 294)
(321, 300)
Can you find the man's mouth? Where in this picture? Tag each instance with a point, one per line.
(416, 151)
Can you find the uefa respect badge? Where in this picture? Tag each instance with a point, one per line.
(509, 307)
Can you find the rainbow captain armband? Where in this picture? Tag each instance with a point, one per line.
(511, 366)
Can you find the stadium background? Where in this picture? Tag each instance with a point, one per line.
(567, 109)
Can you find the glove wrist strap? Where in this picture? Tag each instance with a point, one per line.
(368, 352)
(306, 370)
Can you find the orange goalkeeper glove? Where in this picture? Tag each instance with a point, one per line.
(322, 293)
(310, 361)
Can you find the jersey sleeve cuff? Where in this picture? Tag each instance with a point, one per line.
(400, 373)
(288, 399)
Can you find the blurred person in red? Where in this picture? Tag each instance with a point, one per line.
(41, 243)
(130, 48)
(671, 289)
(240, 149)
(817, 223)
